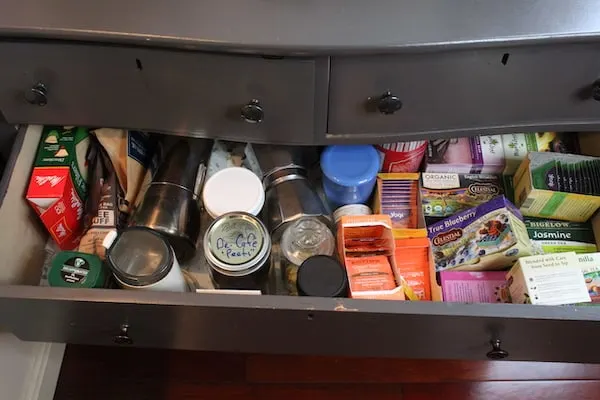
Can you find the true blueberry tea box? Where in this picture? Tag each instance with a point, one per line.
(491, 236)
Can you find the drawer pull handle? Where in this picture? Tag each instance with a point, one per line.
(253, 112)
(596, 90)
(37, 95)
(388, 103)
(496, 353)
(123, 337)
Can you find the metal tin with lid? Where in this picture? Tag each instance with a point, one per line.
(237, 247)
(141, 258)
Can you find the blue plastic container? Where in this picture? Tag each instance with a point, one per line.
(349, 173)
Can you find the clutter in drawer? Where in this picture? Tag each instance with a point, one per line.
(409, 236)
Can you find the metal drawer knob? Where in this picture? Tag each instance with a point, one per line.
(253, 112)
(123, 336)
(37, 95)
(388, 103)
(596, 90)
(496, 353)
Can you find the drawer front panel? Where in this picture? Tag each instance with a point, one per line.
(465, 91)
(268, 324)
(187, 92)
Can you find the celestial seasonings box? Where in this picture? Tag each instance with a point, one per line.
(58, 187)
(558, 186)
(466, 155)
(491, 236)
(445, 194)
(550, 236)
(550, 279)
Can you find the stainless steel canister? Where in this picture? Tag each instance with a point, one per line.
(289, 197)
(171, 202)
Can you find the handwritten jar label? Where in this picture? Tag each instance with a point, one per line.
(236, 241)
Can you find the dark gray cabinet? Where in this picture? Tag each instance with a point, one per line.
(293, 84)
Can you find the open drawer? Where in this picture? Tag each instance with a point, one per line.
(266, 324)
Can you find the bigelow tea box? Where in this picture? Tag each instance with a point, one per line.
(58, 186)
(550, 279)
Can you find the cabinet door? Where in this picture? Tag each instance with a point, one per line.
(414, 95)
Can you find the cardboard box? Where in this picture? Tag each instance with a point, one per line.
(550, 279)
(364, 237)
(590, 267)
(550, 236)
(58, 187)
(413, 259)
(475, 287)
(466, 155)
(517, 145)
(488, 237)
(539, 185)
(443, 195)
(420, 230)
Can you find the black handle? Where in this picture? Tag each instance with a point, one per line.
(596, 90)
(123, 336)
(388, 103)
(37, 95)
(496, 353)
(253, 112)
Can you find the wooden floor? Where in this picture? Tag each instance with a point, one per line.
(123, 373)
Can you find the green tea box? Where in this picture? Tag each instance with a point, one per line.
(550, 236)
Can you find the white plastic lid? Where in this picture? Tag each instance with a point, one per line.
(233, 189)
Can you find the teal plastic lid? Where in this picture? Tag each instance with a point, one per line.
(75, 269)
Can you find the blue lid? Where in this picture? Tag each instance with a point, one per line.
(350, 165)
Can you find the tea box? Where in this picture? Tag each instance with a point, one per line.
(467, 155)
(490, 236)
(549, 279)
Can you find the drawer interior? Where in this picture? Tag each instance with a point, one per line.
(24, 248)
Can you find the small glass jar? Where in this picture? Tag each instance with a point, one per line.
(304, 238)
(237, 247)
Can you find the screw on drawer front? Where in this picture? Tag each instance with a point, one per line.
(37, 95)
(496, 353)
(123, 336)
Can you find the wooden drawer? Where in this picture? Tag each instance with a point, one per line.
(465, 91)
(198, 94)
(262, 324)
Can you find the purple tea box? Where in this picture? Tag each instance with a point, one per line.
(491, 236)
(466, 155)
(475, 287)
